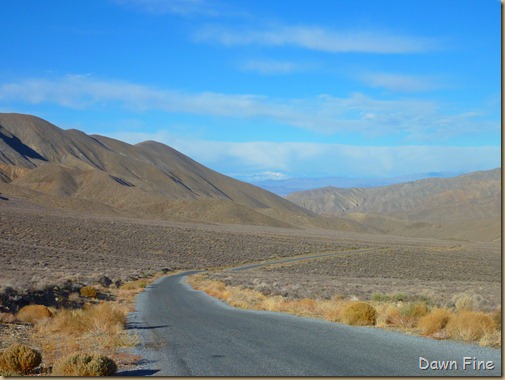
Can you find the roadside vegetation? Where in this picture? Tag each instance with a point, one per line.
(87, 339)
(462, 321)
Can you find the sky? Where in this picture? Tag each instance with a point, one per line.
(261, 89)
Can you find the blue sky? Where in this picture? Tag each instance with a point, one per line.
(267, 89)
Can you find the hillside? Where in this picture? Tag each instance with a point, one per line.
(462, 207)
(72, 170)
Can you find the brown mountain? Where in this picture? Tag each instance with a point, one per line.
(463, 207)
(70, 169)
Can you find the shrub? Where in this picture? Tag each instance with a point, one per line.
(85, 365)
(434, 321)
(380, 297)
(470, 325)
(359, 314)
(20, 358)
(89, 291)
(496, 315)
(33, 313)
(414, 310)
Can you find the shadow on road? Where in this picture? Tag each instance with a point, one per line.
(138, 372)
(138, 326)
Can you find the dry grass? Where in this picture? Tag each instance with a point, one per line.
(20, 358)
(85, 365)
(359, 314)
(89, 291)
(33, 313)
(470, 325)
(435, 321)
(411, 317)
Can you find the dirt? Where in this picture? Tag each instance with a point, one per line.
(41, 248)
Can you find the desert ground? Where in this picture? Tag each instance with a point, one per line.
(43, 248)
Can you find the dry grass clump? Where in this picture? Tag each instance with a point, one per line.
(435, 321)
(133, 285)
(33, 313)
(359, 314)
(19, 358)
(97, 327)
(470, 325)
(89, 292)
(85, 365)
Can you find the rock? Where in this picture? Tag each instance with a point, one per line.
(105, 281)
(165, 270)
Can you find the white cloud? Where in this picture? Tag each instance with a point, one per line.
(358, 113)
(400, 82)
(178, 7)
(272, 67)
(319, 39)
(276, 159)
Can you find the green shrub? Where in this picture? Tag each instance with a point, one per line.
(380, 297)
(20, 358)
(359, 314)
(414, 310)
(85, 365)
(33, 313)
(89, 291)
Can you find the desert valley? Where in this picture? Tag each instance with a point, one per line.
(76, 207)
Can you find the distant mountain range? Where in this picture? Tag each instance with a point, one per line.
(465, 207)
(71, 171)
(284, 187)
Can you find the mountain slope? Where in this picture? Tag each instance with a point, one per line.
(147, 179)
(463, 207)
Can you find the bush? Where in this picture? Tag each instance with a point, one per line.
(20, 358)
(85, 365)
(359, 314)
(470, 325)
(414, 310)
(89, 291)
(33, 313)
(434, 321)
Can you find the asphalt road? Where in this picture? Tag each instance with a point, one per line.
(187, 333)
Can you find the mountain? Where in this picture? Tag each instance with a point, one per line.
(284, 187)
(70, 169)
(462, 207)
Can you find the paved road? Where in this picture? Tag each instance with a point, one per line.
(187, 333)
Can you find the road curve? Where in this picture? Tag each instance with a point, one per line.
(184, 332)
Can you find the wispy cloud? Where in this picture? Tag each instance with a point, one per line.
(358, 113)
(400, 82)
(274, 159)
(272, 67)
(320, 39)
(178, 7)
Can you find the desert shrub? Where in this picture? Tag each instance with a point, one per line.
(89, 292)
(400, 297)
(9, 373)
(496, 316)
(133, 285)
(414, 310)
(470, 325)
(20, 358)
(85, 365)
(434, 321)
(466, 302)
(33, 313)
(359, 314)
(380, 297)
